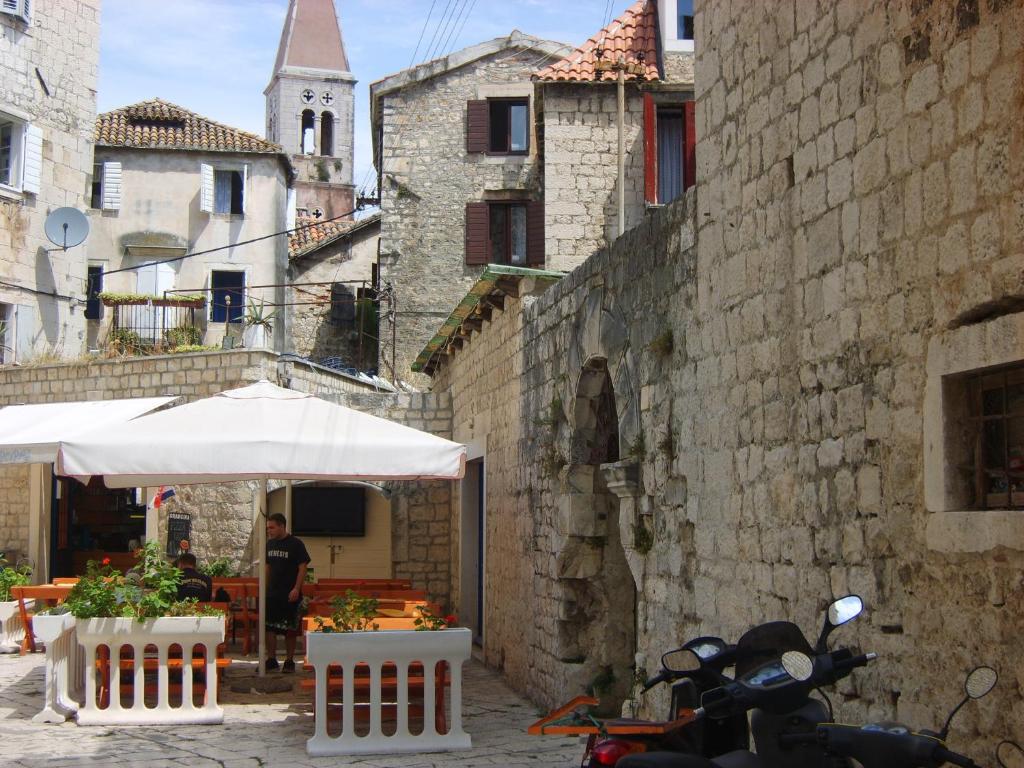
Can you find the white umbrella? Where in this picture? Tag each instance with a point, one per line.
(259, 432)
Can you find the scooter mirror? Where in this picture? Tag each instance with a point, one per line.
(1010, 754)
(798, 665)
(980, 682)
(845, 609)
(681, 660)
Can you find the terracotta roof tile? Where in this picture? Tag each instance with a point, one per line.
(158, 124)
(310, 237)
(633, 36)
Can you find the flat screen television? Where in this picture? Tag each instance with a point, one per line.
(329, 511)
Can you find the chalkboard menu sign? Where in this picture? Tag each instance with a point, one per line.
(179, 527)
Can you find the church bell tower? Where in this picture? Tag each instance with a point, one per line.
(309, 108)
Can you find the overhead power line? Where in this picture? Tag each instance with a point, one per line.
(422, 31)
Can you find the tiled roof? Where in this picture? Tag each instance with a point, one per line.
(633, 37)
(158, 124)
(310, 235)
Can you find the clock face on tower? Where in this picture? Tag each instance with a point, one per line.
(308, 96)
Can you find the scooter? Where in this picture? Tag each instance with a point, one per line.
(780, 703)
(695, 669)
(893, 745)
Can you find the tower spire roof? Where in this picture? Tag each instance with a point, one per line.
(311, 38)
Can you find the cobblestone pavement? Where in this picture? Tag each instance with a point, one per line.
(259, 730)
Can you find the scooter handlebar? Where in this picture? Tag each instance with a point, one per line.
(661, 677)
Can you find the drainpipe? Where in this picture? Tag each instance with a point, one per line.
(622, 145)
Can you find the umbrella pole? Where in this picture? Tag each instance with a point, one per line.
(288, 504)
(261, 545)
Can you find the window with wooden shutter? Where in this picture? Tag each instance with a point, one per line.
(32, 179)
(111, 190)
(650, 151)
(477, 232)
(690, 143)
(206, 188)
(477, 126)
(535, 234)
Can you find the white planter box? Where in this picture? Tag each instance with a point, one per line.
(11, 630)
(184, 631)
(375, 649)
(256, 337)
(65, 666)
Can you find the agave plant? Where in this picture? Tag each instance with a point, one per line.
(259, 316)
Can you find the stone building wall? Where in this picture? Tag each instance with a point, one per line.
(48, 71)
(317, 332)
(428, 177)
(581, 144)
(223, 513)
(785, 346)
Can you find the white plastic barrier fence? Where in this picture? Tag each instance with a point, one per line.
(402, 648)
(183, 631)
(65, 666)
(11, 629)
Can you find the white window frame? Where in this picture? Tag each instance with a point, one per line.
(15, 181)
(8, 339)
(668, 20)
(22, 9)
(109, 172)
(953, 356)
(208, 186)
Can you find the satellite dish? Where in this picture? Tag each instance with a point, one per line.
(66, 227)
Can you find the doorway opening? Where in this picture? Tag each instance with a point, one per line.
(472, 547)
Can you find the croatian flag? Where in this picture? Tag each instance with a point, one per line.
(163, 494)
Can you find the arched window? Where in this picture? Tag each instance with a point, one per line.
(327, 134)
(308, 132)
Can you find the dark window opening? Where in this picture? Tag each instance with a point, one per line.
(93, 289)
(670, 154)
(684, 19)
(509, 126)
(327, 134)
(228, 303)
(343, 305)
(228, 192)
(507, 233)
(308, 137)
(7, 158)
(997, 415)
(96, 193)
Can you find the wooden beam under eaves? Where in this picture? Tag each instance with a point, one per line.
(472, 323)
(509, 286)
(484, 311)
(495, 301)
(457, 342)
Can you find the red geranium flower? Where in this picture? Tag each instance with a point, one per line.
(106, 561)
(450, 619)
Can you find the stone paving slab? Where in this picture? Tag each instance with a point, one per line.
(260, 730)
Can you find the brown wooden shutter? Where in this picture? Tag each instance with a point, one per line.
(477, 234)
(477, 126)
(689, 144)
(650, 150)
(535, 234)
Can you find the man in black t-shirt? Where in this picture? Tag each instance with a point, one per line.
(287, 561)
(193, 583)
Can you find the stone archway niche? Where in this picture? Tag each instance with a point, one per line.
(596, 638)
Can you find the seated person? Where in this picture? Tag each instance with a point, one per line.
(193, 583)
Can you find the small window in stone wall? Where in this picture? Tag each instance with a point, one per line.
(996, 408)
(6, 333)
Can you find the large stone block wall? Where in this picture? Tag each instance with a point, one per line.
(222, 514)
(428, 178)
(581, 144)
(48, 71)
(858, 198)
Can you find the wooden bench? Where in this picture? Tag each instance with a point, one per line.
(44, 594)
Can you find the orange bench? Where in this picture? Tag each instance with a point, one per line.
(48, 594)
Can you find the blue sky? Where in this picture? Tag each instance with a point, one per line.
(215, 56)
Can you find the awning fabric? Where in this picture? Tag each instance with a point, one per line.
(31, 434)
(259, 432)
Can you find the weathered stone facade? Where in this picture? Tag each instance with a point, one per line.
(772, 344)
(335, 272)
(223, 514)
(427, 177)
(581, 144)
(48, 69)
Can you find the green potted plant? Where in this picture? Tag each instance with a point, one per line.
(11, 630)
(259, 326)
